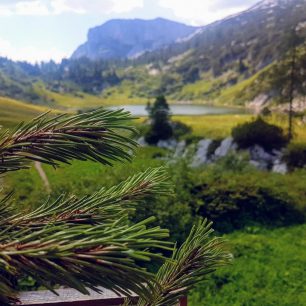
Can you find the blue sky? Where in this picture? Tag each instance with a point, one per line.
(36, 30)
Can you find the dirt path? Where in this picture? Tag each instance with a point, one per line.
(43, 176)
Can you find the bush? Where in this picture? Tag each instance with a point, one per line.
(213, 147)
(180, 129)
(261, 133)
(295, 155)
(160, 128)
(244, 196)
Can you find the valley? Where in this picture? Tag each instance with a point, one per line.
(152, 126)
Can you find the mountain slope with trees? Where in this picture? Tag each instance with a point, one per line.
(229, 62)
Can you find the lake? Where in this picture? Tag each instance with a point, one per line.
(184, 109)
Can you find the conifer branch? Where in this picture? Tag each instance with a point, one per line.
(84, 257)
(94, 135)
(103, 207)
(190, 264)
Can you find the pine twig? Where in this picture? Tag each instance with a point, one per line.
(93, 135)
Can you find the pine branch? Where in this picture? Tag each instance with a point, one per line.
(82, 257)
(198, 256)
(104, 207)
(93, 135)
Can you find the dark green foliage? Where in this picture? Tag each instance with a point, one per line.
(259, 132)
(213, 147)
(160, 128)
(266, 112)
(234, 195)
(295, 155)
(180, 129)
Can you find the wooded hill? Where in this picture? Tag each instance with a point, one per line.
(231, 61)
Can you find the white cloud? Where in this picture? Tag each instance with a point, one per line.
(30, 54)
(24, 7)
(52, 7)
(199, 12)
(95, 6)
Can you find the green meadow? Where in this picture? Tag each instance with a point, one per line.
(269, 260)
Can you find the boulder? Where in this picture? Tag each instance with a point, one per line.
(180, 149)
(226, 146)
(141, 141)
(259, 154)
(280, 167)
(170, 144)
(200, 157)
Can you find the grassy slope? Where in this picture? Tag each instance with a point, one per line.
(81, 100)
(220, 126)
(269, 269)
(12, 111)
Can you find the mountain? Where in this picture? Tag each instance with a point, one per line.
(223, 55)
(121, 39)
(234, 61)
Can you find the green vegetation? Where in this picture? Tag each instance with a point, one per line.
(160, 127)
(234, 195)
(12, 111)
(295, 155)
(66, 241)
(259, 132)
(258, 211)
(268, 269)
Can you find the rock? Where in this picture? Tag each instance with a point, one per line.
(260, 165)
(170, 144)
(200, 157)
(180, 149)
(141, 141)
(226, 146)
(259, 103)
(259, 154)
(280, 167)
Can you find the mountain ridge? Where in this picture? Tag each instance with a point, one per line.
(128, 38)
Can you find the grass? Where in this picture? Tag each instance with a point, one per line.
(269, 264)
(213, 126)
(197, 89)
(220, 126)
(12, 112)
(268, 269)
(66, 179)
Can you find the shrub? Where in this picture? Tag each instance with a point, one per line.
(213, 147)
(261, 133)
(244, 196)
(295, 155)
(266, 111)
(160, 128)
(180, 129)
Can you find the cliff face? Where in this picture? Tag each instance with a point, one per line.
(120, 39)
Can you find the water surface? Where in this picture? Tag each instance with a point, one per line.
(184, 109)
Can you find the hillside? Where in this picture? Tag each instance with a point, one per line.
(12, 112)
(229, 62)
(121, 39)
(224, 54)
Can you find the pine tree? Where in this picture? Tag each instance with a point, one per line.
(89, 242)
(159, 114)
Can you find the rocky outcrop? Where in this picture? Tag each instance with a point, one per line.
(128, 38)
(201, 155)
(226, 146)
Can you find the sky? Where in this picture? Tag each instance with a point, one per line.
(40, 30)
